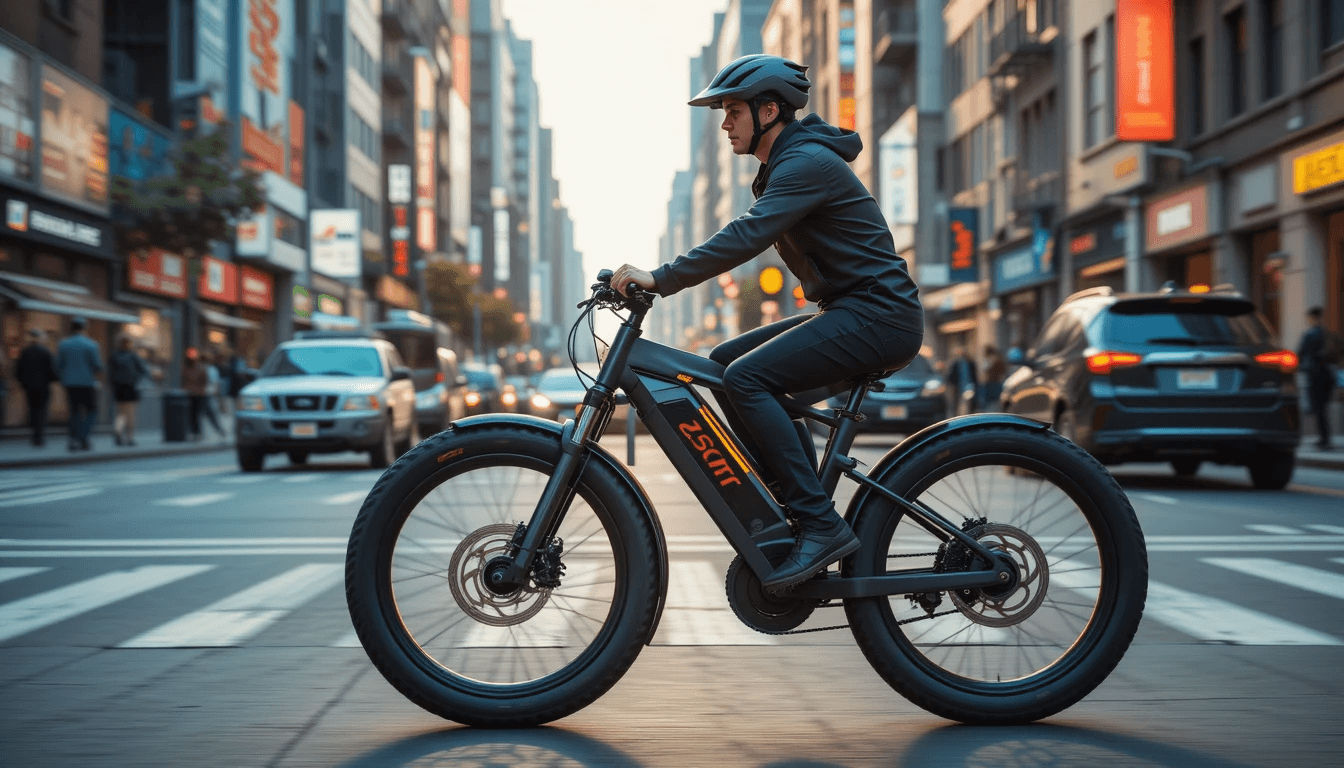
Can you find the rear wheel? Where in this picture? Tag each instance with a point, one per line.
(1272, 470)
(1014, 655)
(298, 457)
(250, 459)
(384, 453)
(421, 598)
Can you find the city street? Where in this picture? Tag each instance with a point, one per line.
(174, 611)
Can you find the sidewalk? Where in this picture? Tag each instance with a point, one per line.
(17, 451)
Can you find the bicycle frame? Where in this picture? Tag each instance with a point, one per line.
(660, 383)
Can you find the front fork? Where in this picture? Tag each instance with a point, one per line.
(555, 499)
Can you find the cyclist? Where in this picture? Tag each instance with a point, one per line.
(833, 238)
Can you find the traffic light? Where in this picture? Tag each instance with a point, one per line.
(771, 280)
(799, 300)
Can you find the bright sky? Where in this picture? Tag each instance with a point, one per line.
(614, 80)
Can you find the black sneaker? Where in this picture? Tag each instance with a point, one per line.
(811, 553)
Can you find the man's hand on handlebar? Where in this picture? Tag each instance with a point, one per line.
(627, 275)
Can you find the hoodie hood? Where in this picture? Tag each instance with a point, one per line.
(841, 141)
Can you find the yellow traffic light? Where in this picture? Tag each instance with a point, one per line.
(772, 281)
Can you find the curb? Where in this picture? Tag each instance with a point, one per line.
(93, 457)
(1315, 463)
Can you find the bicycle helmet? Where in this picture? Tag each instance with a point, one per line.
(756, 79)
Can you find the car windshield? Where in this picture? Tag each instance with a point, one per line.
(1196, 324)
(324, 361)
(479, 379)
(419, 350)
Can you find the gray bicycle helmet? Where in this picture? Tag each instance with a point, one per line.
(753, 77)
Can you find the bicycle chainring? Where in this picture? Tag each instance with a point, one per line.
(763, 611)
(466, 579)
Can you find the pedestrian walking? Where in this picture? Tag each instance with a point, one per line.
(995, 371)
(78, 363)
(962, 385)
(196, 381)
(1318, 352)
(35, 371)
(126, 369)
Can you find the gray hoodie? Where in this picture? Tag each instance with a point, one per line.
(824, 223)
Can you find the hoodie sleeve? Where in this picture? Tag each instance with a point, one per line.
(797, 186)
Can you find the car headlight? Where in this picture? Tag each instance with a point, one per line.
(934, 387)
(473, 398)
(362, 403)
(541, 401)
(509, 398)
(251, 403)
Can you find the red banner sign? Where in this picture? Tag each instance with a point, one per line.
(256, 289)
(219, 281)
(157, 271)
(1145, 71)
(263, 149)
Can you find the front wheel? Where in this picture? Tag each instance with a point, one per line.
(1036, 646)
(423, 604)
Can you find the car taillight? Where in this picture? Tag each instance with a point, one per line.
(1285, 360)
(1103, 362)
(438, 377)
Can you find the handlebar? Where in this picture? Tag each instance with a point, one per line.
(636, 299)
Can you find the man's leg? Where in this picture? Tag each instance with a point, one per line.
(87, 398)
(830, 347)
(1318, 392)
(37, 414)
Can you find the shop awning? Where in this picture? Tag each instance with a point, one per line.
(36, 294)
(212, 317)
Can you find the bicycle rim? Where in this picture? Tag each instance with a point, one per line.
(500, 645)
(986, 640)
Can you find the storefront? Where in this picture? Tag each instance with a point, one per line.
(157, 273)
(1025, 284)
(1312, 185)
(1177, 237)
(256, 298)
(1097, 254)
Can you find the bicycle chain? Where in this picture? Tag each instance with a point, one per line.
(902, 622)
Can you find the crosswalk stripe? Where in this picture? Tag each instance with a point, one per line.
(345, 498)
(1157, 497)
(348, 640)
(41, 610)
(71, 493)
(697, 611)
(35, 489)
(243, 479)
(1326, 583)
(229, 622)
(1213, 620)
(1276, 529)
(306, 478)
(1335, 529)
(194, 500)
(695, 584)
(555, 625)
(17, 573)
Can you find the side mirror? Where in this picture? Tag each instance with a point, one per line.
(401, 373)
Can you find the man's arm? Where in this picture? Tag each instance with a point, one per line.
(797, 187)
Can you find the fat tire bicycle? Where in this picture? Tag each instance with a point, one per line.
(507, 571)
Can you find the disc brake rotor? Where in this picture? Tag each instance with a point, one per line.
(466, 579)
(991, 608)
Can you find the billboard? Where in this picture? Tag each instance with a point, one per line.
(268, 47)
(963, 238)
(459, 168)
(1145, 71)
(426, 223)
(136, 151)
(74, 141)
(335, 241)
(898, 188)
(17, 129)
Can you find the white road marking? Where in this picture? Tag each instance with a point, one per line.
(1335, 529)
(308, 478)
(231, 621)
(349, 640)
(17, 573)
(1281, 530)
(243, 479)
(1157, 497)
(1321, 582)
(697, 611)
(38, 489)
(41, 610)
(1210, 619)
(194, 500)
(72, 493)
(346, 498)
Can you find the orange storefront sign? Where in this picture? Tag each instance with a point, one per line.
(259, 145)
(296, 143)
(1145, 71)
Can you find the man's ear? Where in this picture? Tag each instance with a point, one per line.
(769, 111)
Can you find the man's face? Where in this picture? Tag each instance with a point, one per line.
(737, 122)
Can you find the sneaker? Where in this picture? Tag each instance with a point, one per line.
(811, 553)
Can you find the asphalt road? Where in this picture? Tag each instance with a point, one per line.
(173, 611)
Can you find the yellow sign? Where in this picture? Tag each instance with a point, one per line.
(1126, 167)
(772, 280)
(1321, 168)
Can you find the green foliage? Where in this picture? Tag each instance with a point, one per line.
(452, 291)
(200, 202)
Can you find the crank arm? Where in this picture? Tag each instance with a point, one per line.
(913, 582)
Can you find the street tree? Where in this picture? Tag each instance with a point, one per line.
(453, 290)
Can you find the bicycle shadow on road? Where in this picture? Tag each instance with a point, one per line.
(466, 747)
(1046, 744)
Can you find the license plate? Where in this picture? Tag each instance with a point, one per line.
(893, 412)
(303, 429)
(1197, 378)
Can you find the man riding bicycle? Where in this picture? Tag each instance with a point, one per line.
(831, 235)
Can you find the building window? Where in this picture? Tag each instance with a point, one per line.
(369, 214)
(1197, 99)
(1234, 30)
(1110, 78)
(1094, 91)
(362, 62)
(977, 154)
(1332, 31)
(1271, 28)
(364, 137)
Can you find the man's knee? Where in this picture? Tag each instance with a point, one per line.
(741, 378)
